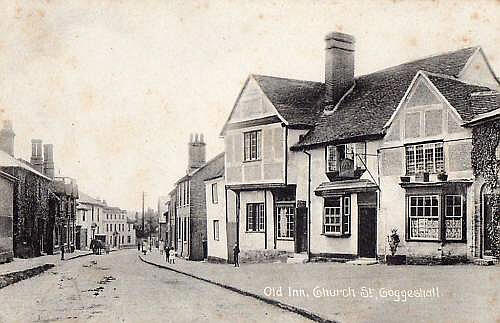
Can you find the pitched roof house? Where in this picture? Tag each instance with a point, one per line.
(190, 210)
(333, 153)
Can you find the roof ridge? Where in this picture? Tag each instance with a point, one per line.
(420, 59)
(285, 78)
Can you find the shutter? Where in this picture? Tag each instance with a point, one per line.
(346, 215)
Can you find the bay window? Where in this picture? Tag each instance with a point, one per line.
(436, 217)
(255, 217)
(337, 216)
(286, 223)
(424, 158)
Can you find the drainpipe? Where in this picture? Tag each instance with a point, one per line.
(308, 205)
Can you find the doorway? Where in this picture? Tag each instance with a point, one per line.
(301, 230)
(487, 218)
(367, 232)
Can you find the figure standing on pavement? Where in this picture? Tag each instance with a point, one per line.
(171, 256)
(160, 247)
(236, 252)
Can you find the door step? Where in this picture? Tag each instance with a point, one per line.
(363, 261)
(297, 258)
(486, 261)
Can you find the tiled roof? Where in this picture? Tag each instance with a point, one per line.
(295, 100)
(7, 160)
(375, 97)
(212, 167)
(458, 93)
(87, 199)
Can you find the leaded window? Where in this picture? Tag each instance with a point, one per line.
(286, 223)
(454, 217)
(424, 212)
(424, 157)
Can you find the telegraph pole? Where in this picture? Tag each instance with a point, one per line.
(142, 212)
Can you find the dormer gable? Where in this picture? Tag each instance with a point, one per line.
(477, 70)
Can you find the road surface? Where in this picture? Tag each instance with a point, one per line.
(120, 288)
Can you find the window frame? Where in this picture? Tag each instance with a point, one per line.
(215, 197)
(290, 230)
(216, 228)
(344, 216)
(248, 146)
(419, 158)
(461, 216)
(442, 197)
(353, 147)
(258, 216)
(409, 217)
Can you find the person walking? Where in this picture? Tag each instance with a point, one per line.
(160, 247)
(236, 252)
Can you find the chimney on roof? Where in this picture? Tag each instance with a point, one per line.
(339, 66)
(36, 155)
(48, 160)
(7, 138)
(196, 152)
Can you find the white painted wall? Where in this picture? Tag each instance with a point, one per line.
(216, 211)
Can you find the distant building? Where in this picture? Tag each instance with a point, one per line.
(90, 217)
(191, 210)
(116, 227)
(162, 218)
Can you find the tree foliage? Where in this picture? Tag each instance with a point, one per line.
(485, 141)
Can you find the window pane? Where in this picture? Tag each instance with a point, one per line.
(410, 160)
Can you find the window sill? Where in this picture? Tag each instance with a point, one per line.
(423, 240)
(336, 235)
(251, 161)
(254, 231)
(285, 239)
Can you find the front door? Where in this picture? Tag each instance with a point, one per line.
(301, 229)
(367, 232)
(487, 216)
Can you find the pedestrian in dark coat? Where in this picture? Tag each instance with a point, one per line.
(236, 252)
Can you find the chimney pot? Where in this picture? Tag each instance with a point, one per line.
(339, 65)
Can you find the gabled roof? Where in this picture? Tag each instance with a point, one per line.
(295, 100)
(364, 111)
(7, 160)
(458, 93)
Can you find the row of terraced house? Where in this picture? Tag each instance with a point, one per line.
(329, 170)
(41, 213)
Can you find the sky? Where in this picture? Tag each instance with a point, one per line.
(119, 86)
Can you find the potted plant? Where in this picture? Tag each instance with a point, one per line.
(394, 240)
(405, 179)
(442, 176)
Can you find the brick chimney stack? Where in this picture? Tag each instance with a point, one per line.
(36, 155)
(339, 66)
(48, 160)
(196, 152)
(7, 138)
